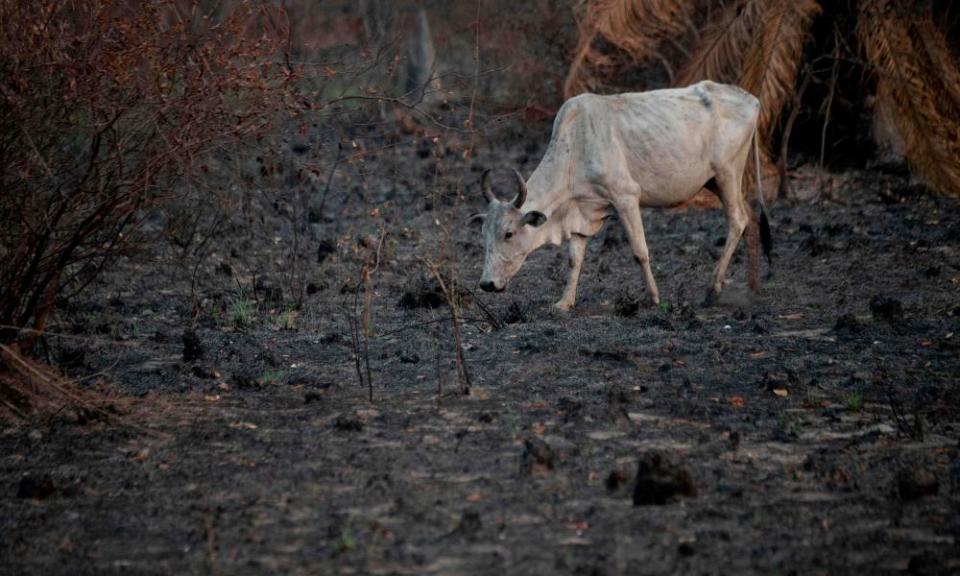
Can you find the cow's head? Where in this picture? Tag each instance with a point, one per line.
(508, 234)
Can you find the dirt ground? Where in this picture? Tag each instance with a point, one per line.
(811, 429)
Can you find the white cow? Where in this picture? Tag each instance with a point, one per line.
(622, 153)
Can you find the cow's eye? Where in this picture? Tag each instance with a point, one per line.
(508, 236)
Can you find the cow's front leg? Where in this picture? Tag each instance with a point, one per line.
(578, 248)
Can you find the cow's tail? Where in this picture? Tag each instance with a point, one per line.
(766, 239)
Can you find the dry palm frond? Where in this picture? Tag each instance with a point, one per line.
(758, 45)
(614, 32)
(917, 85)
(719, 55)
(938, 56)
(32, 391)
(771, 64)
(720, 52)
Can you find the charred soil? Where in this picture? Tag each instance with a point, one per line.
(810, 428)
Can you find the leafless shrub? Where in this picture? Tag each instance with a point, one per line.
(105, 108)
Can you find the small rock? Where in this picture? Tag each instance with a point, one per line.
(733, 439)
(246, 381)
(924, 564)
(915, 483)
(193, 348)
(562, 449)
(615, 355)
(848, 323)
(626, 305)
(300, 148)
(205, 372)
(661, 321)
(470, 524)
(570, 409)
(324, 249)
(334, 338)
(617, 394)
(815, 246)
(778, 383)
(689, 315)
(34, 487)
(660, 480)
(538, 457)
(427, 294)
(886, 308)
(615, 480)
(348, 423)
(269, 357)
(485, 417)
(784, 435)
(516, 314)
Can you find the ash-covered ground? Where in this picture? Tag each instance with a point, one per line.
(810, 429)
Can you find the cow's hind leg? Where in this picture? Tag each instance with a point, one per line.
(738, 218)
(578, 247)
(629, 213)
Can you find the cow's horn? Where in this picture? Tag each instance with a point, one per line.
(485, 186)
(521, 190)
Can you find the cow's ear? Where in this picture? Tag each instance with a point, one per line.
(476, 219)
(533, 218)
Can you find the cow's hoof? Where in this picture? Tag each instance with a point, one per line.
(711, 299)
(563, 306)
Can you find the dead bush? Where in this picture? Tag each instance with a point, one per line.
(104, 108)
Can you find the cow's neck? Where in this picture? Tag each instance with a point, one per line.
(548, 187)
(549, 195)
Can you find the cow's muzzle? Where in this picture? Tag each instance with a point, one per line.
(489, 286)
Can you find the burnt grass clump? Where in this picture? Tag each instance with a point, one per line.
(886, 308)
(193, 348)
(660, 480)
(810, 427)
(626, 305)
(426, 294)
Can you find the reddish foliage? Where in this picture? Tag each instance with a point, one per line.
(104, 106)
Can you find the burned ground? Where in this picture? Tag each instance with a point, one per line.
(810, 429)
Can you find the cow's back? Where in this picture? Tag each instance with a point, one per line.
(670, 141)
(667, 142)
